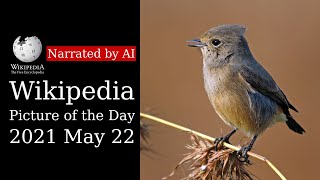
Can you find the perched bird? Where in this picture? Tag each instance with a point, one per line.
(242, 92)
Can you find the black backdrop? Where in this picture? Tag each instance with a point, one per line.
(110, 25)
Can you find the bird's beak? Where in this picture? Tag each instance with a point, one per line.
(197, 43)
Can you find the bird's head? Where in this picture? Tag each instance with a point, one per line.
(221, 42)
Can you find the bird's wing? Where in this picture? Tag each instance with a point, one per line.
(260, 80)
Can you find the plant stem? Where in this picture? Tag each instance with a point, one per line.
(162, 121)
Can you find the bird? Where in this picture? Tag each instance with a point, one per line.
(242, 92)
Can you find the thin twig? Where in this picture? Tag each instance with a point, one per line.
(162, 121)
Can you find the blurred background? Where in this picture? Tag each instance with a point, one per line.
(283, 36)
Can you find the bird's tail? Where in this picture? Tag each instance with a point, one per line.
(293, 125)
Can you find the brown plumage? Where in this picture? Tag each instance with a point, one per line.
(241, 91)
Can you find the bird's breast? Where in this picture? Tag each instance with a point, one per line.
(229, 97)
(217, 79)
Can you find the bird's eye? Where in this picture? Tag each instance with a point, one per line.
(216, 42)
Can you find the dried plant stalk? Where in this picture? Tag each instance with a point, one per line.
(206, 163)
(144, 135)
(231, 147)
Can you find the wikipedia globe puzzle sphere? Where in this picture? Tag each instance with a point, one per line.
(28, 50)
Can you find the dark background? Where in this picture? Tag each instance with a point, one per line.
(282, 35)
(94, 25)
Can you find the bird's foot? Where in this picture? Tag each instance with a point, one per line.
(223, 139)
(242, 154)
(219, 141)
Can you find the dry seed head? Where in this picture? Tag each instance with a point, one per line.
(207, 164)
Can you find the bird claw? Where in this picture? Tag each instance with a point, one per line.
(216, 143)
(219, 141)
(242, 154)
(223, 139)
